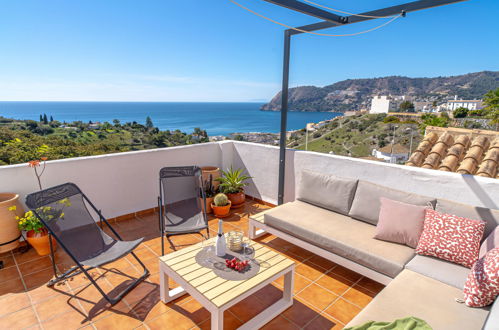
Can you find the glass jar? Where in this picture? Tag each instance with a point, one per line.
(235, 240)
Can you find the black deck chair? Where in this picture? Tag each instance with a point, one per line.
(65, 213)
(181, 199)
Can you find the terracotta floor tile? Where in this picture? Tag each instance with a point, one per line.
(248, 308)
(43, 292)
(8, 260)
(56, 305)
(19, 320)
(317, 296)
(310, 271)
(320, 261)
(269, 294)
(81, 280)
(35, 265)
(231, 322)
(300, 252)
(301, 313)
(117, 321)
(343, 311)
(371, 285)
(279, 323)
(335, 283)
(346, 273)
(359, 296)
(36, 279)
(324, 322)
(12, 286)
(193, 310)
(68, 320)
(172, 321)
(300, 282)
(13, 303)
(26, 256)
(10, 273)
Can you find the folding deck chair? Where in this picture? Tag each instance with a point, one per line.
(67, 214)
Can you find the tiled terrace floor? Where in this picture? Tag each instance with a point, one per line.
(326, 295)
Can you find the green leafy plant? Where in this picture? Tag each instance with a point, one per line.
(233, 181)
(221, 199)
(460, 112)
(29, 221)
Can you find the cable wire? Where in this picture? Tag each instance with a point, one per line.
(311, 32)
(346, 12)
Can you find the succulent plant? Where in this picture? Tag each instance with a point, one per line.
(221, 200)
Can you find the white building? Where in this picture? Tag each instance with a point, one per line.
(468, 104)
(396, 154)
(383, 104)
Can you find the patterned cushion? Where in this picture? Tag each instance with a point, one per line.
(482, 285)
(452, 238)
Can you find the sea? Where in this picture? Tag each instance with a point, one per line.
(217, 118)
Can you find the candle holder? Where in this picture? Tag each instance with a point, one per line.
(235, 241)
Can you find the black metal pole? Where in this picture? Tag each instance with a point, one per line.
(284, 116)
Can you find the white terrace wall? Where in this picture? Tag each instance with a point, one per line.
(261, 162)
(128, 182)
(117, 183)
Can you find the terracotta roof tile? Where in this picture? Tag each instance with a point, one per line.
(458, 150)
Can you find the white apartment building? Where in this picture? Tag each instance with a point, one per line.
(468, 104)
(382, 104)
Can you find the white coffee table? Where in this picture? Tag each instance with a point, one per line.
(217, 294)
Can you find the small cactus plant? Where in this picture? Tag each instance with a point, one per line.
(220, 200)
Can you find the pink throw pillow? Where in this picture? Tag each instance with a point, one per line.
(482, 285)
(400, 222)
(452, 238)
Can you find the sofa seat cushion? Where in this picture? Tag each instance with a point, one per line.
(413, 294)
(366, 203)
(327, 191)
(341, 235)
(440, 270)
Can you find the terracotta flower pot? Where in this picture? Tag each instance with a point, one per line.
(215, 173)
(237, 199)
(40, 242)
(9, 232)
(209, 200)
(221, 211)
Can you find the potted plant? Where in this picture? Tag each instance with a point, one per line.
(232, 183)
(209, 193)
(221, 205)
(10, 234)
(214, 171)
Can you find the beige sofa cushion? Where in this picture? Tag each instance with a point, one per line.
(341, 235)
(327, 191)
(366, 203)
(413, 294)
(490, 216)
(440, 270)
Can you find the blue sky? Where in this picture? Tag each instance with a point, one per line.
(212, 50)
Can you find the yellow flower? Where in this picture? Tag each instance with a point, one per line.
(13, 208)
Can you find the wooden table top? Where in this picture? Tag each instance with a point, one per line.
(216, 289)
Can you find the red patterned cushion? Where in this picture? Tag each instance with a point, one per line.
(451, 238)
(482, 285)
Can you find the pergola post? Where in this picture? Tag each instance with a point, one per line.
(284, 116)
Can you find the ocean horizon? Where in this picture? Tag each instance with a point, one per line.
(217, 118)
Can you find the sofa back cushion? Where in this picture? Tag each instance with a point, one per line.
(366, 202)
(491, 242)
(327, 191)
(490, 216)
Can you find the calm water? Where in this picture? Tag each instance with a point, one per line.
(215, 118)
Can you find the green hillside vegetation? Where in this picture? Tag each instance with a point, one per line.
(357, 136)
(24, 140)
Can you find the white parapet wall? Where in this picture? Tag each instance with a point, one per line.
(119, 183)
(262, 162)
(128, 182)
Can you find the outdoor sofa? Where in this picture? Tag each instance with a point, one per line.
(336, 218)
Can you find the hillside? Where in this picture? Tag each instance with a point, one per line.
(25, 140)
(357, 136)
(355, 94)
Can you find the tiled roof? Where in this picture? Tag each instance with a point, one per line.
(464, 151)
